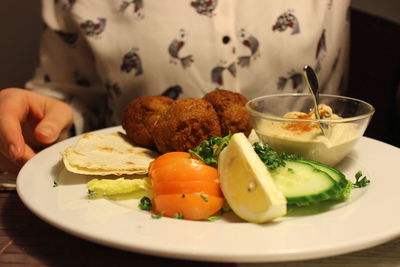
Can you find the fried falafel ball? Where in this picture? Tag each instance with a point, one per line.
(231, 111)
(140, 116)
(185, 124)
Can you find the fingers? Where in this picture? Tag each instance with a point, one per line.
(12, 143)
(29, 117)
(12, 112)
(28, 154)
(57, 117)
(11, 166)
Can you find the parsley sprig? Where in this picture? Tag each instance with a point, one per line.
(361, 181)
(179, 216)
(145, 203)
(208, 151)
(270, 157)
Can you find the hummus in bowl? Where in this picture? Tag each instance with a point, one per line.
(287, 123)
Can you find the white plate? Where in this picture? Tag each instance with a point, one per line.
(369, 218)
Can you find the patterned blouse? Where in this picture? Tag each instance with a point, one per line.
(98, 55)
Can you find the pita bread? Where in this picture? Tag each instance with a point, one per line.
(107, 154)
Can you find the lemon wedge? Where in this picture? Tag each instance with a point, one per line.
(246, 183)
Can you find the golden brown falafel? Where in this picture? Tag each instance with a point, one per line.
(185, 124)
(140, 116)
(231, 111)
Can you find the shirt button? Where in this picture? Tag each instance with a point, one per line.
(226, 39)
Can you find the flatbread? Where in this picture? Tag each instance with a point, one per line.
(107, 154)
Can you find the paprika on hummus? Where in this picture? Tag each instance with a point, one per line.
(299, 135)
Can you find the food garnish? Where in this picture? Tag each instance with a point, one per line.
(209, 150)
(145, 203)
(247, 184)
(193, 207)
(184, 187)
(256, 181)
(225, 209)
(361, 182)
(269, 156)
(179, 216)
(213, 218)
(303, 181)
(99, 188)
(157, 216)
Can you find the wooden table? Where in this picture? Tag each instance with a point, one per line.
(26, 240)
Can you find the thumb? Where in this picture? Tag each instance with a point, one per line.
(57, 117)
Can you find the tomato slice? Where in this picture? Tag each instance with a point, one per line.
(187, 187)
(191, 206)
(184, 186)
(170, 155)
(182, 169)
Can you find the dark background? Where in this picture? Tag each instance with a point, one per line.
(375, 71)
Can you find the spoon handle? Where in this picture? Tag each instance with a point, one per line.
(311, 79)
(312, 82)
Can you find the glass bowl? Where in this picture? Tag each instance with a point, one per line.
(301, 133)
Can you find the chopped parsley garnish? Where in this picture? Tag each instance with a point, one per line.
(145, 203)
(55, 184)
(361, 181)
(157, 216)
(271, 158)
(213, 218)
(225, 209)
(208, 150)
(204, 198)
(285, 156)
(179, 216)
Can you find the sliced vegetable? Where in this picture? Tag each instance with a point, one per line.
(274, 161)
(111, 187)
(187, 187)
(191, 206)
(338, 176)
(184, 188)
(182, 169)
(302, 183)
(159, 160)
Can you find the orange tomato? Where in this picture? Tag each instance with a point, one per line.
(158, 161)
(182, 169)
(191, 206)
(187, 187)
(184, 186)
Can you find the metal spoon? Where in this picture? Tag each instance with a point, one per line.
(312, 83)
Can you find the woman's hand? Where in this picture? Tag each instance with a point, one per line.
(28, 122)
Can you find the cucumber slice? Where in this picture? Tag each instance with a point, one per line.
(302, 183)
(339, 177)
